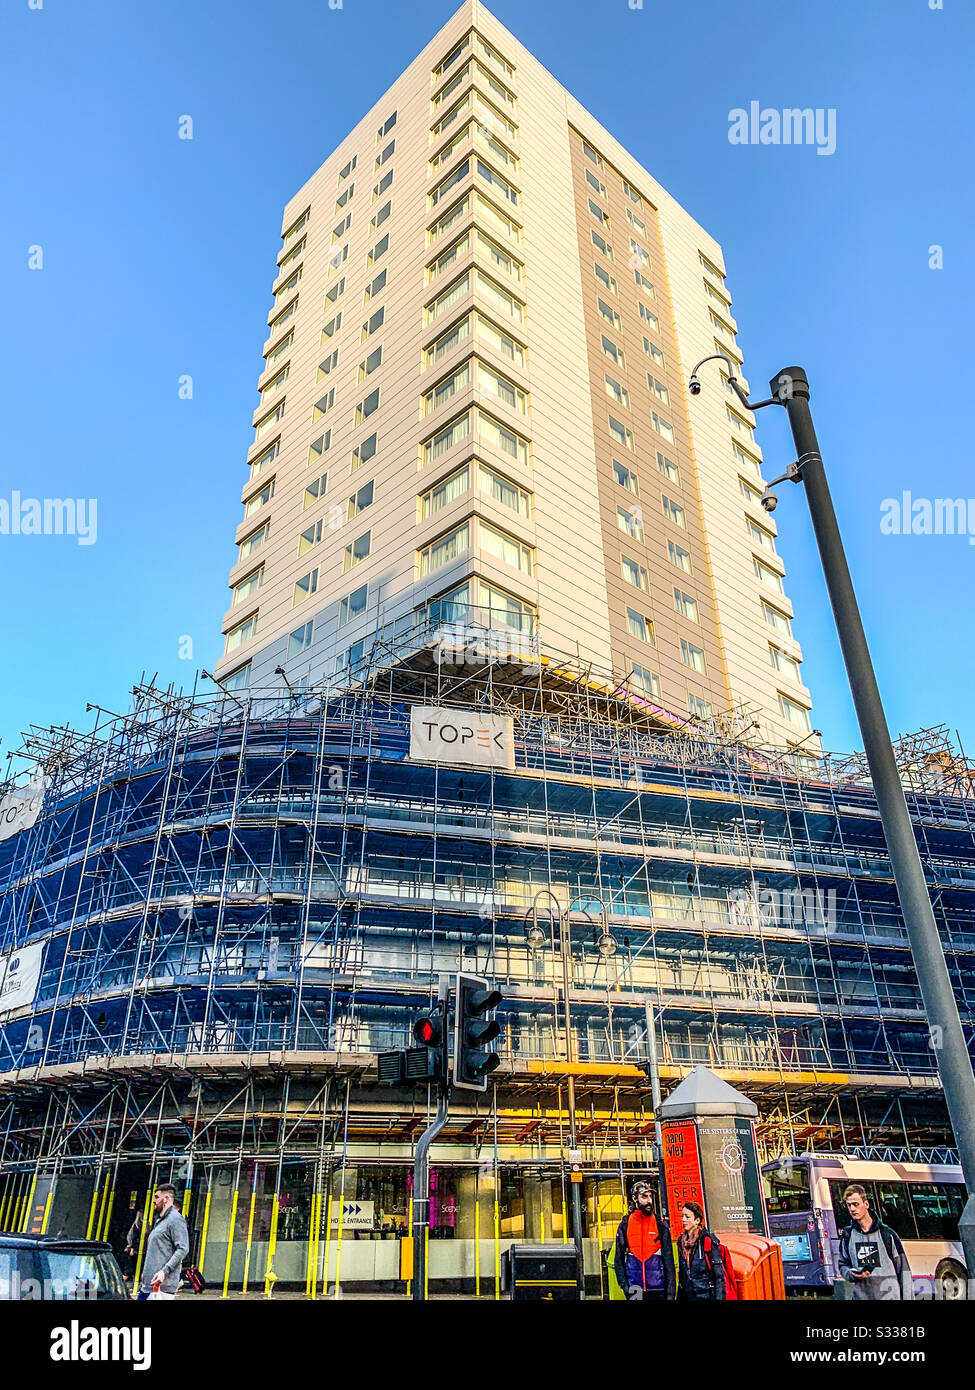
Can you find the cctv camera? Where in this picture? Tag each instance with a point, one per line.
(769, 500)
(694, 386)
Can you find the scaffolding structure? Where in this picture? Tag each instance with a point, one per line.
(243, 898)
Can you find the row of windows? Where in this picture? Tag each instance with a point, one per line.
(475, 534)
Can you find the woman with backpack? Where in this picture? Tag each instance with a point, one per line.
(700, 1271)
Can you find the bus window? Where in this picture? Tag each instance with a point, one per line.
(787, 1187)
(896, 1209)
(937, 1207)
(837, 1187)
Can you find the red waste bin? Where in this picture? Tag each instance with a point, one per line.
(757, 1262)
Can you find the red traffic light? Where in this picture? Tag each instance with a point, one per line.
(426, 1031)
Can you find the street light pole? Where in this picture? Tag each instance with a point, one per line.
(790, 388)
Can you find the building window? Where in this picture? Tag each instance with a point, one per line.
(353, 605)
(663, 427)
(331, 328)
(327, 364)
(776, 619)
(288, 285)
(740, 424)
(634, 574)
(504, 547)
(620, 433)
(507, 441)
(796, 714)
(319, 447)
(309, 538)
(679, 557)
(646, 682)
(343, 198)
(445, 344)
(644, 284)
(650, 317)
(446, 438)
(300, 640)
(306, 585)
(455, 177)
(373, 323)
(444, 492)
(500, 341)
(640, 626)
(499, 184)
(626, 477)
(600, 216)
(242, 633)
(380, 217)
(750, 494)
(447, 389)
(605, 279)
(632, 194)
(367, 407)
(668, 468)
(239, 679)
(314, 491)
(595, 183)
(378, 251)
(265, 457)
(252, 542)
(685, 605)
(758, 533)
(367, 367)
(282, 318)
(445, 549)
(508, 494)
(601, 244)
(590, 153)
(700, 707)
(259, 499)
(619, 393)
(658, 389)
(489, 383)
(630, 523)
(637, 222)
(268, 422)
(385, 156)
(295, 227)
(673, 512)
(323, 405)
(609, 314)
(767, 575)
(654, 351)
(449, 297)
(358, 550)
(363, 452)
(338, 258)
(379, 283)
(614, 353)
(637, 253)
(747, 461)
(692, 656)
(360, 500)
(334, 293)
(785, 664)
(344, 173)
(339, 231)
(248, 586)
(278, 351)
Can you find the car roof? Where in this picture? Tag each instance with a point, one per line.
(30, 1240)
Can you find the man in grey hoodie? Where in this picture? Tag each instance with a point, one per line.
(167, 1245)
(871, 1256)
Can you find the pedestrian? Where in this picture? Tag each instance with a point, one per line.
(871, 1257)
(644, 1260)
(132, 1239)
(167, 1245)
(700, 1271)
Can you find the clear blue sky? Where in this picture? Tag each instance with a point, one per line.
(159, 253)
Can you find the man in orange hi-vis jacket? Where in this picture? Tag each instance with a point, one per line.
(644, 1259)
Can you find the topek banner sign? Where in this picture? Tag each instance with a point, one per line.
(20, 972)
(20, 809)
(462, 736)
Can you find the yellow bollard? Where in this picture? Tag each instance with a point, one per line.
(250, 1239)
(230, 1241)
(143, 1233)
(270, 1278)
(25, 1217)
(497, 1242)
(206, 1228)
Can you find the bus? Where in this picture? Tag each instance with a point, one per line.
(922, 1202)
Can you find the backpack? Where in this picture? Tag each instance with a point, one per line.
(194, 1278)
(730, 1284)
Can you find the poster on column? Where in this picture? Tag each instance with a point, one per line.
(682, 1170)
(732, 1176)
(20, 972)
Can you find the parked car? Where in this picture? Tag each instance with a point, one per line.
(58, 1267)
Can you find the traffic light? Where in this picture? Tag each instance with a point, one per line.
(428, 1062)
(472, 1031)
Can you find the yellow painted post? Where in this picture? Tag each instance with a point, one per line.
(565, 1220)
(315, 1239)
(25, 1215)
(250, 1233)
(477, 1238)
(4, 1203)
(108, 1214)
(91, 1213)
(47, 1209)
(272, 1246)
(599, 1237)
(426, 1260)
(308, 1254)
(206, 1228)
(338, 1248)
(143, 1233)
(497, 1237)
(409, 1227)
(230, 1241)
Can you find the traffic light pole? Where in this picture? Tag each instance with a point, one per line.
(947, 1038)
(421, 1161)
